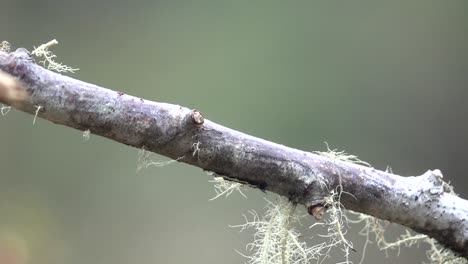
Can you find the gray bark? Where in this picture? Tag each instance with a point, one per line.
(423, 203)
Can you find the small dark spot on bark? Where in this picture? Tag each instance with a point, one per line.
(416, 198)
(142, 100)
(262, 186)
(427, 225)
(120, 93)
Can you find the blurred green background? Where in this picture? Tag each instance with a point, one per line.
(384, 81)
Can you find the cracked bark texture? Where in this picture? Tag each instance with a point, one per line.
(423, 203)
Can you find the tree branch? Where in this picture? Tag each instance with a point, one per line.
(423, 203)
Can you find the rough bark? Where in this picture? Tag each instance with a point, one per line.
(423, 203)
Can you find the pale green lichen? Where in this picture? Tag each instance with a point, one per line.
(38, 108)
(86, 134)
(5, 46)
(49, 58)
(276, 241)
(373, 227)
(145, 160)
(225, 188)
(4, 110)
(336, 225)
(335, 154)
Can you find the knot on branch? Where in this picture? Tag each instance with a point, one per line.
(197, 117)
(438, 185)
(317, 210)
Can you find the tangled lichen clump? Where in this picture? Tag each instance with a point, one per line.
(373, 227)
(336, 225)
(276, 240)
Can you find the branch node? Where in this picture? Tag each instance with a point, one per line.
(197, 117)
(317, 211)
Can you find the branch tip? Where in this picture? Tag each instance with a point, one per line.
(12, 91)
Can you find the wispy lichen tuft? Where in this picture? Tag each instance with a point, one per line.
(336, 225)
(276, 241)
(335, 154)
(145, 160)
(225, 188)
(49, 58)
(86, 134)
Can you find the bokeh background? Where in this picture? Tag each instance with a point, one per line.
(384, 81)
